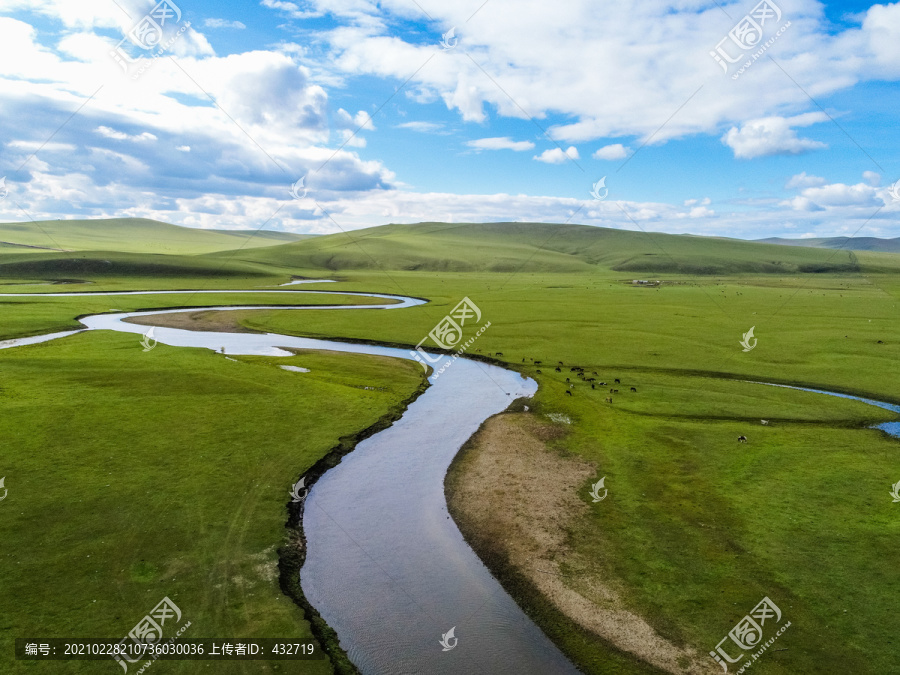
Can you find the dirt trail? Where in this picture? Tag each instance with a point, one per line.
(514, 499)
(202, 320)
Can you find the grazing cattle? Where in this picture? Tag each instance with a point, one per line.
(539, 372)
(499, 354)
(608, 399)
(617, 381)
(610, 391)
(558, 370)
(567, 379)
(537, 363)
(573, 369)
(742, 439)
(523, 359)
(560, 362)
(603, 384)
(764, 421)
(568, 392)
(634, 390)
(592, 386)
(571, 386)
(594, 373)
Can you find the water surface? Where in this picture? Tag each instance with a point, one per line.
(386, 566)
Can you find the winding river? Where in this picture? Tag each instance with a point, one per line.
(386, 566)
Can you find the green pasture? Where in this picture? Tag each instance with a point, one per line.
(133, 476)
(697, 528)
(132, 235)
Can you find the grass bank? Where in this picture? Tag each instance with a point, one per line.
(133, 476)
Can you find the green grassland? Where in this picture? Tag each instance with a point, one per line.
(697, 527)
(537, 247)
(133, 476)
(25, 316)
(132, 235)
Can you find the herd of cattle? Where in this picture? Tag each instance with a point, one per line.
(581, 373)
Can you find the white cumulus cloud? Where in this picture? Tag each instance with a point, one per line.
(615, 151)
(500, 143)
(801, 180)
(557, 156)
(773, 136)
(223, 23)
(108, 132)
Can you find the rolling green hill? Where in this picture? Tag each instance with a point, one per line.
(32, 250)
(70, 266)
(541, 247)
(131, 235)
(849, 243)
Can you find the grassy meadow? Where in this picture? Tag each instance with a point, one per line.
(697, 527)
(133, 476)
(131, 235)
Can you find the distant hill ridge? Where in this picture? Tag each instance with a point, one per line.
(541, 247)
(849, 243)
(506, 247)
(133, 235)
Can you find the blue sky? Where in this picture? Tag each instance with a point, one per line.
(514, 117)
